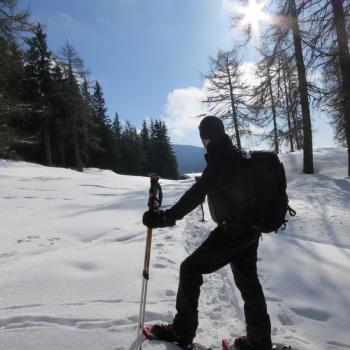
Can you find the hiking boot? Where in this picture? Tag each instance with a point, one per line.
(242, 343)
(166, 332)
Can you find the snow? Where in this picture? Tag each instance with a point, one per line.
(72, 249)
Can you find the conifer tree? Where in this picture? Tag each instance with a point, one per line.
(11, 105)
(131, 151)
(116, 134)
(146, 147)
(74, 68)
(38, 84)
(90, 134)
(103, 157)
(61, 115)
(162, 158)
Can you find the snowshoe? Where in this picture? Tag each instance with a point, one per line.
(165, 332)
(241, 343)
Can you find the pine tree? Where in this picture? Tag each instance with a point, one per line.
(116, 134)
(38, 84)
(146, 147)
(91, 138)
(162, 158)
(171, 166)
(61, 115)
(11, 104)
(103, 157)
(74, 68)
(131, 151)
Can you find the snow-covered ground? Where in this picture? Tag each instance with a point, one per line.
(72, 249)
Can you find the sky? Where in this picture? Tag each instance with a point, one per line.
(150, 55)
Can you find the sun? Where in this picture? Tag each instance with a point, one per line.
(251, 15)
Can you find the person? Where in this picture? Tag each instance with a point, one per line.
(232, 242)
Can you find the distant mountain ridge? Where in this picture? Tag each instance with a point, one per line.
(190, 158)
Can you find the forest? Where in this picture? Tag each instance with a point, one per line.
(50, 113)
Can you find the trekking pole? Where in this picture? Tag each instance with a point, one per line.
(154, 202)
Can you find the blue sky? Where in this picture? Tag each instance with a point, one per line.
(147, 54)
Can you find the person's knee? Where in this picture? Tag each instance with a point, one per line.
(249, 287)
(188, 270)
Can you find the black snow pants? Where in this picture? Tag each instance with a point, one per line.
(219, 249)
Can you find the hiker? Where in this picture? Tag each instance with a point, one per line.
(232, 242)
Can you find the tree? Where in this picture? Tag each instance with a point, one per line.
(102, 157)
(226, 93)
(146, 147)
(162, 159)
(266, 98)
(92, 140)
(290, 98)
(303, 90)
(60, 115)
(117, 131)
(332, 98)
(131, 151)
(284, 36)
(344, 62)
(328, 45)
(38, 84)
(11, 104)
(13, 21)
(74, 68)
(275, 100)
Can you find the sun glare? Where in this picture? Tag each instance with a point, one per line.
(251, 16)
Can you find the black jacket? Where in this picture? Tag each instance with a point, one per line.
(222, 161)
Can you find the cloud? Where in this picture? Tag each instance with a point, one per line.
(182, 107)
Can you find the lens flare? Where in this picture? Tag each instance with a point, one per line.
(250, 16)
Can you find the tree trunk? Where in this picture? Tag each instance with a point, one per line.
(344, 58)
(274, 117)
(286, 93)
(304, 96)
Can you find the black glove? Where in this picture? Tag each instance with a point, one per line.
(156, 219)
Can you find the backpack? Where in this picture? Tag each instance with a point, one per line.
(260, 187)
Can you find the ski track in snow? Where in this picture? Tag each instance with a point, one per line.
(218, 303)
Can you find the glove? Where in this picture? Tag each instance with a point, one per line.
(156, 219)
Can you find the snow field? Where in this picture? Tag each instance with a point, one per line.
(72, 249)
